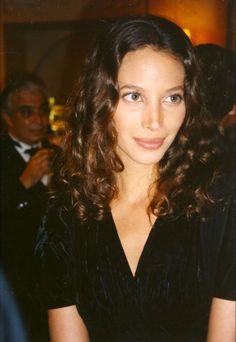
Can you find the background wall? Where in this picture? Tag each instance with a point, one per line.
(52, 37)
(206, 19)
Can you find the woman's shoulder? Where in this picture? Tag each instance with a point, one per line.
(223, 196)
(218, 239)
(56, 227)
(56, 217)
(220, 219)
(223, 189)
(56, 257)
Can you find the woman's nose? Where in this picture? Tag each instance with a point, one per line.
(152, 118)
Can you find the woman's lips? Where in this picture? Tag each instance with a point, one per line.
(150, 144)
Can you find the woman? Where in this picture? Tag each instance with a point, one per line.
(136, 245)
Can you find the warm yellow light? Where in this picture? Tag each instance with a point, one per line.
(187, 31)
(51, 101)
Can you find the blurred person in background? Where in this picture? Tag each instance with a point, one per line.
(11, 325)
(217, 65)
(26, 169)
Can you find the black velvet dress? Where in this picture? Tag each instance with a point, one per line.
(183, 265)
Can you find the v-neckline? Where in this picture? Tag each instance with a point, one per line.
(121, 251)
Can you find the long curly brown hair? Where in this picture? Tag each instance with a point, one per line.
(89, 161)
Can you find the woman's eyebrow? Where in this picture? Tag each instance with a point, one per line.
(134, 87)
(131, 86)
(180, 87)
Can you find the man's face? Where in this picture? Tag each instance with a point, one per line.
(28, 120)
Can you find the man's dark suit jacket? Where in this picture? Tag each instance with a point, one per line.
(21, 210)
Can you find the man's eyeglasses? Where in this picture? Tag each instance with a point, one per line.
(27, 111)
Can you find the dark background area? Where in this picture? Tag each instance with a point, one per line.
(51, 38)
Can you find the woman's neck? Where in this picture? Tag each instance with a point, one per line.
(134, 183)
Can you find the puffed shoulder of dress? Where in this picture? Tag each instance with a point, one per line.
(218, 245)
(55, 259)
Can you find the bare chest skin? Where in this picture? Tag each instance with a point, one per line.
(133, 226)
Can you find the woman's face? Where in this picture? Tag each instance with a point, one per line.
(151, 106)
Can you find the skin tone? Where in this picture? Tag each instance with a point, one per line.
(150, 112)
(66, 325)
(28, 123)
(221, 325)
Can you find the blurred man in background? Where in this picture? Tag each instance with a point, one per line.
(26, 169)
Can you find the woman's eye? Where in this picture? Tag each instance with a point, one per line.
(175, 98)
(132, 97)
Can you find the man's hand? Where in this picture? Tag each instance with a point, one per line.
(38, 166)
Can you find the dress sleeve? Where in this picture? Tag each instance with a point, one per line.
(225, 280)
(55, 259)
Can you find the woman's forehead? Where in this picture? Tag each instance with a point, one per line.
(151, 64)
